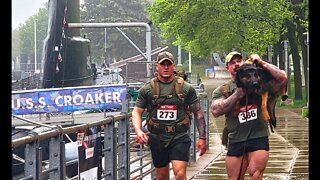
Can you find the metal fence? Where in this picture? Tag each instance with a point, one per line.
(120, 158)
(29, 82)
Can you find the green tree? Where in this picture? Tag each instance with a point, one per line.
(297, 26)
(27, 32)
(206, 26)
(110, 11)
(15, 43)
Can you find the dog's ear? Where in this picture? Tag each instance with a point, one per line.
(264, 74)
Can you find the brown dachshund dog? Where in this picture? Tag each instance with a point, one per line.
(254, 78)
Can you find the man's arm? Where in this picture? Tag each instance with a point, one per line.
(201, 126)
(199, 118)
(278, 75)
(142, 137)
(222, 105)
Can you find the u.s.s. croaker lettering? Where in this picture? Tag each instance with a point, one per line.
(67, 100)
(96, 98)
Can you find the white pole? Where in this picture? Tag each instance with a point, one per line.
(189, 62)
(35, 46)
(105, 48)
(287, 64)
(179, 56)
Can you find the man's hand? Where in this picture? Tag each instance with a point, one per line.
(256, 59)
(142, 137)
(240, 92)
(201, 146)
(136, 118)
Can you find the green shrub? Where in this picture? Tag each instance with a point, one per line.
(305, 112)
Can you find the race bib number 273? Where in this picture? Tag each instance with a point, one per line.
(167, 112)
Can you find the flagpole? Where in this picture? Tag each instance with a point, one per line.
(35, 46)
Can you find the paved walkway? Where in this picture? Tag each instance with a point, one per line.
(288, 150)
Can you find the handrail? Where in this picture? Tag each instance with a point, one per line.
(117, 156)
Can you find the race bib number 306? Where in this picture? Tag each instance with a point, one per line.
(167, 112)
(248, 113)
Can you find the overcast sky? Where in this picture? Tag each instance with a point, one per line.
(23, 9)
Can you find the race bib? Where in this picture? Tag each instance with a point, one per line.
(167, 112)
(248, 113)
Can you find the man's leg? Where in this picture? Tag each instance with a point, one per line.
(257, 163)
(236, 161)
(179, 169)
(162, 173)
(179, 156)
(160, 158)
(258, 156)
(234, 165)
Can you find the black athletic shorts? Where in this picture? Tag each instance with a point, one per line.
(240, 148)
(177, 149)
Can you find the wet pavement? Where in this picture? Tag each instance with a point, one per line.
(288, 158)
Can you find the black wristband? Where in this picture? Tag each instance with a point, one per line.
(203, 138)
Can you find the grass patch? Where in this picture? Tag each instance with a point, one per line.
(297, 103)
(305, 112)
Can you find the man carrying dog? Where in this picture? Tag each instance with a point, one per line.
(248, 143)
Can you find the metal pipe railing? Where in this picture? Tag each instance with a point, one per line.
(115, 151)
